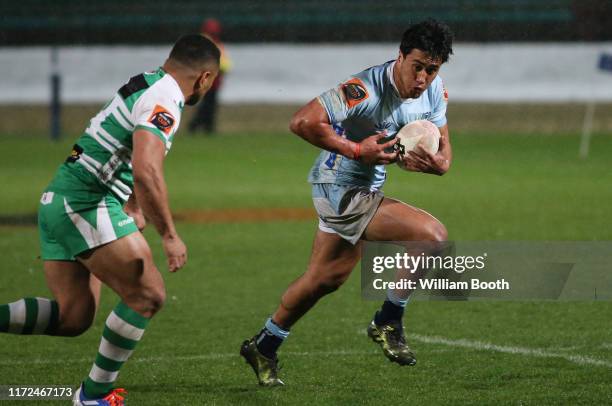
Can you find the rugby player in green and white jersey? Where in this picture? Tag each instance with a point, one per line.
(91, 212)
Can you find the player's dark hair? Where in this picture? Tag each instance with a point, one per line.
(195, 50)
(430, 36)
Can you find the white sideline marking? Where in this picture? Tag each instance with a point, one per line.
(436, 340)
(532, 352)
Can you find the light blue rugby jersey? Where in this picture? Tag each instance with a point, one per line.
(366, 103)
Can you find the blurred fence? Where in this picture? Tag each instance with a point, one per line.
(296, 73)
(161, 21)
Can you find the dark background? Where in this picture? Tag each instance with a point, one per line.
(35, 22)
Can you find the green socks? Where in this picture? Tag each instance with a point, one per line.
(30, 315)
(124, 328)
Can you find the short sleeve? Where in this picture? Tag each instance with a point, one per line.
(440, 101)
(158, 116)
(348, 99)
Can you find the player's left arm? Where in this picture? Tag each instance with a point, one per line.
(436, 164)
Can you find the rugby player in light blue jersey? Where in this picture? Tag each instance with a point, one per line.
(355, 124)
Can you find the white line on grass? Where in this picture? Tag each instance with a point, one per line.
(531, 352)
(435, 340)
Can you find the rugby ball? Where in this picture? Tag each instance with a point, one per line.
(421, 133)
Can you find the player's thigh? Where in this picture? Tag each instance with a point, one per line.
(398, 221)
(333, 258)
(76, 291)
(126, 266)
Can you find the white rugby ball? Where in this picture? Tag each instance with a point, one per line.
(421, 133)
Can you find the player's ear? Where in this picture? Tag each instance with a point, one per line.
(206, 79)
(400, 56)
(200, 81)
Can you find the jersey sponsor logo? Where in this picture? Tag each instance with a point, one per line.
(162, 119)
(354, 92)
(75, 154)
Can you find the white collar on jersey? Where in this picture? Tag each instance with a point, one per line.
(395, 89)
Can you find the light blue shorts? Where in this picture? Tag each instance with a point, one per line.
(345, 210)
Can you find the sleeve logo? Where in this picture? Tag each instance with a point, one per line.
(354, 92)
(162, 119)
(445, 94)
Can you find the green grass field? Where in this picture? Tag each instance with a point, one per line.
(501, 187)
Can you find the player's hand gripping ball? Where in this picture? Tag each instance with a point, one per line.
(420, 133)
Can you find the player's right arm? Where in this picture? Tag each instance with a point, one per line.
(312, 123)
(150, 186)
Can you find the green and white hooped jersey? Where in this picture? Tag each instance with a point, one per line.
(101, 159)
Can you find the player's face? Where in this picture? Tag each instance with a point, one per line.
(201, 86)
(415, 72)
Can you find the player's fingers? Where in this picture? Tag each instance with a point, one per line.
(380, 135)
(424, 153)
(171, 267)
(175, 264)
(389, 155)
(417, 157)
(418, 151)
(389, 144)
(414, 165)
(180, 261)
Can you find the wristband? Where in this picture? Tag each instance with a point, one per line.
(357, 151)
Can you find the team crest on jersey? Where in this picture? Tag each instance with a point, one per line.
(354, 92)
(162, 119)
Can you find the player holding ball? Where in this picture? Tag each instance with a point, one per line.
(356, 124)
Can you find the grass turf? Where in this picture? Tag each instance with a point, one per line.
(505, 187)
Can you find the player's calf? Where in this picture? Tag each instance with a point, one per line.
(320, 280)
(330, 280)
(75, 318)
